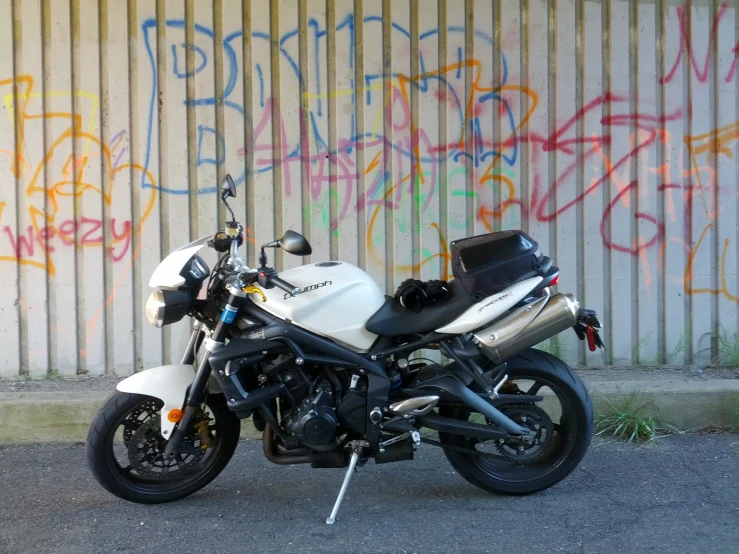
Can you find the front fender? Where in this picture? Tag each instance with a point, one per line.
(168, 383)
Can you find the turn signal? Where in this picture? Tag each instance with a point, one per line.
(174, 415)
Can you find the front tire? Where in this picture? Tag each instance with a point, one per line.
(570, 439)
(148, 478)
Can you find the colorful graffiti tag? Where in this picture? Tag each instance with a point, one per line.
(491, 160)
(57, 178)
(511, 149)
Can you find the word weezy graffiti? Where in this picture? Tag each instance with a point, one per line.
(59, 179)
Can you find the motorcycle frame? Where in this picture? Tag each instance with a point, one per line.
(316, 349)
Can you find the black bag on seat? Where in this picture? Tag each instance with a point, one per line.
(437, 291)
(486, 264)
(415, 295)
(410, 295)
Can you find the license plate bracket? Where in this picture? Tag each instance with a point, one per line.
(587, 328)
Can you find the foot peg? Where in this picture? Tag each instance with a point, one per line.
(418, 406)
(330, 520)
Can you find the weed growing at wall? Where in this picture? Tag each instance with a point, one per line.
(639, 349)
(631, 419)
(552, 346)
(728, 349)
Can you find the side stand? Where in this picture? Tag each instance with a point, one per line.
(330, 520)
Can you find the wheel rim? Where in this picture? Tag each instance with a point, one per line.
(135, 450)
(507, 462)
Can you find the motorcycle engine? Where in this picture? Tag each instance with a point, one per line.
(313, 420)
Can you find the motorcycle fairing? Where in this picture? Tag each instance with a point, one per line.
(490, 308)
(167, 274)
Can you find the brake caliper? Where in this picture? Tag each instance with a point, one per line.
(202, 429)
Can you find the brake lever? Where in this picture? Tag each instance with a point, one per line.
(251, 289)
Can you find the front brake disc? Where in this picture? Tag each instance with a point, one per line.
(146, 454)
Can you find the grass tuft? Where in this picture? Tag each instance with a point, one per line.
(551, 346)
(629, 421)
(639, 350)
(728, 347)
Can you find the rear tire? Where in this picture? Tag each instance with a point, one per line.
(533, 364)
(143, 489)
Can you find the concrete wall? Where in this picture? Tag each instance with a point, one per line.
(381, 130)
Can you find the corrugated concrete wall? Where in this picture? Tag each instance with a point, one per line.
(381, 130)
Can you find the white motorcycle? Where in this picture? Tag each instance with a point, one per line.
(329, 370)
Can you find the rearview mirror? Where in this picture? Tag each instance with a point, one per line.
(295, 243)
(228, 188)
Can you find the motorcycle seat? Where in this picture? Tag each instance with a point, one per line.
(393, 320)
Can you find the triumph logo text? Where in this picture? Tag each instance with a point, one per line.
(309, 288)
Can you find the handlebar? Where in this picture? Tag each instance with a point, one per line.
(292, 290)
(268, 279)
(238, 264)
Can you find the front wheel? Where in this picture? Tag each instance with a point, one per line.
(562, 423)
(125, 448)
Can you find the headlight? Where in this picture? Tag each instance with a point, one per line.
(166, 306)
(155, 308)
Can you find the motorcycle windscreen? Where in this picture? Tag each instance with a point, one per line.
(167, 274)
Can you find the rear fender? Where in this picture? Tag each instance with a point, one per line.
(169, 384)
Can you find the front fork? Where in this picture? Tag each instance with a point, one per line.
(196, 339)
(196, 392)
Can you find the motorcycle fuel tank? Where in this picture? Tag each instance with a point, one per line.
(336, 299)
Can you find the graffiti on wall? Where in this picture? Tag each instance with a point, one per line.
(492, 160)
(56, 180)
(495, 125)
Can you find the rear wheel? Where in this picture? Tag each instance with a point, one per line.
(562, 423)
(125, 448)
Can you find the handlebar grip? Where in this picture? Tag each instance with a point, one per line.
(284, 285)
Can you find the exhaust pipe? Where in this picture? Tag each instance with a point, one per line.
(273, 455)
(528, 326)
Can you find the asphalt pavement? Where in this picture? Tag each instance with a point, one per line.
(678, 495)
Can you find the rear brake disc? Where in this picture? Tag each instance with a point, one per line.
(535, 419)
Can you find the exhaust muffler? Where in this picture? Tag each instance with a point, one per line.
(528, 326)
